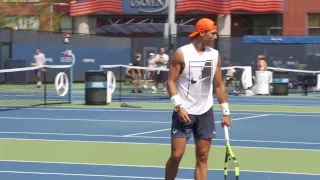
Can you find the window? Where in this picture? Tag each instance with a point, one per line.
(260, 24)
(25, 22)
(314, 24)
(66, 24)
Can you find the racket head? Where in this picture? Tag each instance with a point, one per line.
(231, 167)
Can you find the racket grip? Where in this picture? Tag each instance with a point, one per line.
(226, 132)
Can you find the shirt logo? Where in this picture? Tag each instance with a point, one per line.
(202, 79)
(193, 81)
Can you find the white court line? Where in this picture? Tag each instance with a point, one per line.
(160, 130)
(153, 137)
(58, 134)
(158, 144)
(83, 175)
(144, 166)
(238, 140)
(163, 110)
(85, 120)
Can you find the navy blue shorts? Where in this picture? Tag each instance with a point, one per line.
(36, 71)
(202, 126)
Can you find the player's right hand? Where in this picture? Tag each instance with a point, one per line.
(184, 116)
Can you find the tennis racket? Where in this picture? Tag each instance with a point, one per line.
(231, 168)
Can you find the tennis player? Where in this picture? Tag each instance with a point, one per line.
(161, 76)
(193, 73)
(39, 61)
(137, 75)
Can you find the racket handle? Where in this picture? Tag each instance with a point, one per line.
(226, 132)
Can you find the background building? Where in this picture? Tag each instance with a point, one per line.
(234, 17)
(130, 26)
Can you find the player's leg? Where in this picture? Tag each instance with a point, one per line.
(204, 131)
(157, 78)
(137, 83)
(165, 77)
(180, 133)
(146, 81)
(38, 77)
(134, 85)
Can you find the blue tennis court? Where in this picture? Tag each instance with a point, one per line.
(113, 143)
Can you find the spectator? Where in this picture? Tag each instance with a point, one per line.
(261, 63)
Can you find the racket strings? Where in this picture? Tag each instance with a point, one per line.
(231, 169)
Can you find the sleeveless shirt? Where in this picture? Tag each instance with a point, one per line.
(195, 84)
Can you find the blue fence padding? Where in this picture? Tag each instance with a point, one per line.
(87, 57)
(282, 39)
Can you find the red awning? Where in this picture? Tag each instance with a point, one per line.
(227, 6)
(94, 6)
(86, 7)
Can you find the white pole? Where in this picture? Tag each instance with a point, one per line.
(172, 26)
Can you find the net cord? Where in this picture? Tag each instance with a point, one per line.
(293, 70)
(49, 67)
(102, 67)
(34, 68)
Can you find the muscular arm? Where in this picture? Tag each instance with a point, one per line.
(220, 89)
(174, 72)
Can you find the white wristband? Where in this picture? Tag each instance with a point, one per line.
(225, 109)
(176, 100)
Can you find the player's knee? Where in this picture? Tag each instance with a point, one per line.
(202, 157)
(177, 155)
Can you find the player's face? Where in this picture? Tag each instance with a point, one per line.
(208, 37)
(162, 51)
(37, 51)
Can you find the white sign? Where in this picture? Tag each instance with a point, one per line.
(66, 59)
(62, 84)
(144, 5)
(89, 60)
(49, 59)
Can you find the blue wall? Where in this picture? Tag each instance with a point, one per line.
(101, 55)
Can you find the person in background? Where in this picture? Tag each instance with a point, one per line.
(230, 76)
(261, 63)
(39, 61)
(137, 75)
(150, 73)
(161, 76)
(129, 75)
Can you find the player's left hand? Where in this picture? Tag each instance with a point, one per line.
(226, 121)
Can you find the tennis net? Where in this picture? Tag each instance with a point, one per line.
(149, 87)
(296, 79)
(19, 87)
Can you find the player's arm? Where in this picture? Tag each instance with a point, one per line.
(127, 71)
(220, 89)
(139, 73)
(165, 61)
(44, 62)
(174, 72)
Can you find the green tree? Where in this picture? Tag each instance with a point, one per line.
(46, 14)
(43, 9)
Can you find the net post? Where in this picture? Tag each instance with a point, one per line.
(70, 85)
(45, 87)
(120, 86)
